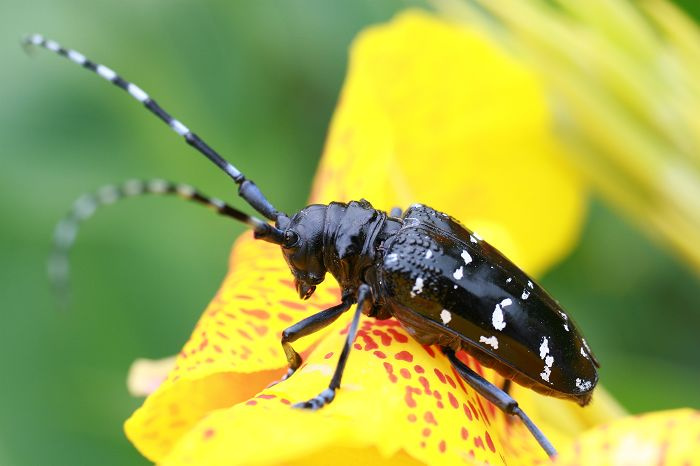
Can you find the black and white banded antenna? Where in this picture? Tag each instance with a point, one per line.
(246, 188)
(86, 205)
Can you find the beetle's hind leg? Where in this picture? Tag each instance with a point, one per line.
(499, 398)
(327, 395)
(311, 324)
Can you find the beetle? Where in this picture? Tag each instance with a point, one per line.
(442, 282)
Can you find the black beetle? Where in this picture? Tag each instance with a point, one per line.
(441, 281)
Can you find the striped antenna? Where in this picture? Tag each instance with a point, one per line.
(83, 208)
(246, 188)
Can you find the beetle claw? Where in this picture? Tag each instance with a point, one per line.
(318, 402)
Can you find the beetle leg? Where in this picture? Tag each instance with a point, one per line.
(328, 394)
(499, 398)
(311, 324)
(395, 212)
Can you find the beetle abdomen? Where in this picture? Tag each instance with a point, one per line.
(467, 291)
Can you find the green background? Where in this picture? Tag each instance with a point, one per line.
(258, 80)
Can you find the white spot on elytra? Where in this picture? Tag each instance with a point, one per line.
(467, 258)
(106, 73)
(525, 295)
(583, 353)
(157, 186)
(583, 385)
(137, 93)
(418, 287)
(428, 254)
(529, 283)
(476, 235)
(548, 359)
(185, 190)
(491, 341)
(446, 316)
(497, 319)
(544, 347)
(391, 258)
(459, 273)
(566, 327)
(509, 280)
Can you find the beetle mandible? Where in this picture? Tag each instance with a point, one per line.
(441, 281)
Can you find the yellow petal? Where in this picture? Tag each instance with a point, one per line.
(666, 437)
(434, 113)
(234, 351)
(397, 398)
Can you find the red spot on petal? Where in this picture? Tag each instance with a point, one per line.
(203, 344)
(284, 317)
(430, 418)
(285, 401)
(408, 398)
(288, 283)
(244, 334)
(405, 373)
(223, 335)
(266, 396)
(259, 313)
(217, 348)
(419, 369)
(426, 385)
(390, 372)
(440, 375)
(328, 355)
(483, 413)
(478, 443)
(380, 355)
(474, 411)
(450, 381)
(251, 402)
(464, 433)
(453, 400)
(429, 350)
(386, 339)
(243, 297)
(370, 344)
(357, 346)
(422, 444)
(459, 380)
(426, 432)
(209, 360)
(292, 305)
(442, 446)
(404, 356)
(399, 337)
(207, 434)
(230, 316)
(467, 412)
(489, 442)
(411, 417)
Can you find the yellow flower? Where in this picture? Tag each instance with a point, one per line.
(624, 77)
(430, 112)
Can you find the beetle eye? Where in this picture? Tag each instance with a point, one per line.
(291, 238)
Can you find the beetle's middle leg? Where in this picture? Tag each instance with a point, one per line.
(499, 398)
(396, 212)
(311, 324)
(327, 395)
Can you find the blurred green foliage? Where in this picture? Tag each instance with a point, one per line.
(258, 80)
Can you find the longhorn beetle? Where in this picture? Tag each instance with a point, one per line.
(441, 281)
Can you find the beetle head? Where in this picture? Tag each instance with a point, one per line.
(303, 247)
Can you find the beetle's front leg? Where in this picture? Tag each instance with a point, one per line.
(328, 394)
(311, 324)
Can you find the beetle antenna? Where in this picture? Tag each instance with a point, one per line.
(246, 188)
(83, 208)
